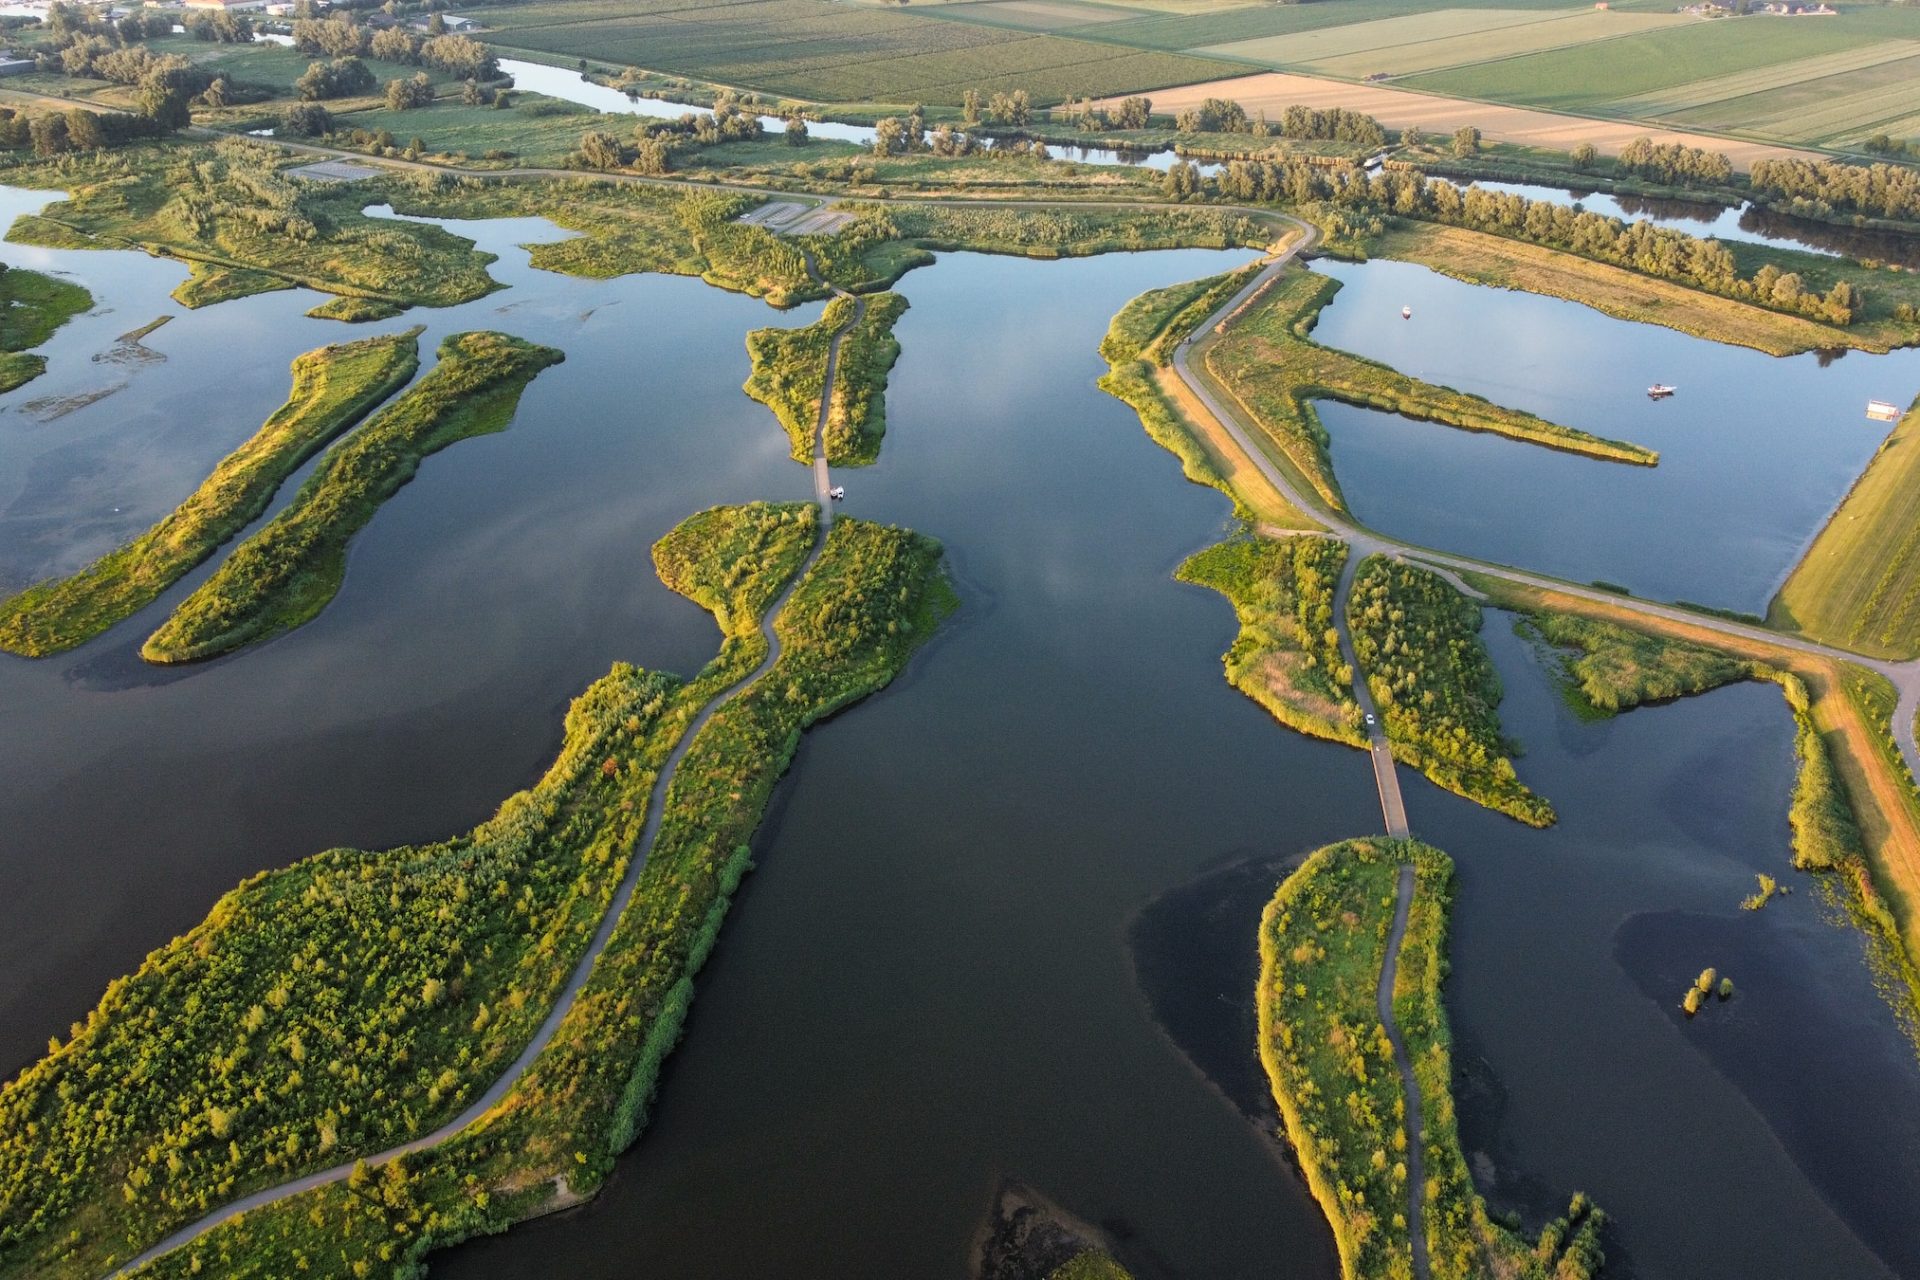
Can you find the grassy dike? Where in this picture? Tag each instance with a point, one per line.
(1323, 943)
(333, 388)
(1287, 655)
(874, 597)
(1858, 586)
(1418, 640)
(1270, 366)
(285, 574)
(790, 367)
(1480, 258)
(32, 306)
(354, 999)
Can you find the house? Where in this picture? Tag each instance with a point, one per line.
(228, 6)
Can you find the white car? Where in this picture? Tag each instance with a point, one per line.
(1369, 719)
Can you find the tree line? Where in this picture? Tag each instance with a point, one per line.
(1675, 164)
(1820, 188)
(653, 144)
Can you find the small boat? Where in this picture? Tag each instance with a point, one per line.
(1406, 313)
(836, 493)
(1883, 411)
(1660, 391)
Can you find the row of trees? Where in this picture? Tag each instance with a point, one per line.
(1675, 164)
(341, 37)
(55, 133)
(1128, 113)
(1820, 188)
(654, 142)
(339, 78)
(1012, 110)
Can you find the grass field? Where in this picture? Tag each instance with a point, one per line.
(1738, 84)
(1859, 584)
(1829, 108)
(819, 50)
(1033, 15)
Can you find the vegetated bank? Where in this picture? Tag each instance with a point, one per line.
(875, 595)
(1841, 823)
(1138, 348)
(1287, 655)
(1418, 642)
(355, 999)
(32, 306)
(1266, 362)
(333, 388)
(1323, 945)
(285, 574)
(790, 367)
(1858, 586)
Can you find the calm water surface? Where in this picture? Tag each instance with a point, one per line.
(927, 985)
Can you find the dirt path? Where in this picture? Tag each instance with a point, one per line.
(1416, 1159)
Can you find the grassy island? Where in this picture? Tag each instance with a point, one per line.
(1287, 655)
(333, 388)
(1418, 641)
(32, 306)
(1323, 945)
(1617, 668)
(790, 367)
(1858, 586)
(356, 310)
(286, 573)
(1270, 366)
(355, 1000)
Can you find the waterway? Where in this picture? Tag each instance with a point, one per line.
(931, 981)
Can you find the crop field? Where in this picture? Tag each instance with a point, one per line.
(1699, 93)
(1589, 76)
(1830, 108)
(1033, 15)
(1439, 39)
(834, 52)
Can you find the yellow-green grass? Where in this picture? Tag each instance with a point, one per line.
(372, 994)
(1611, 668)
(1295, 48)
(1269, 365)
(1589, 76)
(1858, 586)
(32, 306)
(873, 598)
(1739, 84)
(356, 310)
(1287, 654)
(285, 574)
(1480, 258)
(535, 131)
(1833, 106)
(1091, 1265)
(210, 283)
(333, 388)
(1323, 944)
(1417, 640)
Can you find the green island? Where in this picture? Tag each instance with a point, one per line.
(352, 310)
(285, 574)
(790, 368)
(1274, 371)
(458, 950)
(1091, 1265)
(1418, 642)
(32, 305)
(1859, 583)
(1323, 944)
(1287, 655)
(333, 389)
(1613, 668)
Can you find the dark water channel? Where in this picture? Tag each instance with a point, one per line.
(931, 981)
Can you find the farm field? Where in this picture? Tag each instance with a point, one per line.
(1831, 108)
(1439, 39)
(1274, 91)
(1034, 15)
(832, 52)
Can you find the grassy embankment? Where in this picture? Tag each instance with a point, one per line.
(1858, 586)
(1323, 943)
(333, 388)
(1855, 811)
(875, 596)
(32, 306)
(285, 574)
(1418, 642)
(1139, 350)
(228, 211)
(354, 999)
(356, 310)
(790, 367)
(1287, 655)
(1269, 365)
(1480, 258)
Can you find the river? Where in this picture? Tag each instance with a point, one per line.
(930, 983)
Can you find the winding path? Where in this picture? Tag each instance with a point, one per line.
(477, 1111)
(1416, 1152)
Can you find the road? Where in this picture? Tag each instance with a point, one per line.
(497, 1092)
(1416, 1154)
(1392, 808)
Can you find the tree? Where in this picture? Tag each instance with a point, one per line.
(306, 120)
(1466, 141)
(414, 91)
(1133, 113)
(49, 134)
(395, 44)
(84, 131)
(1412, 137)
(599, 150)
(970, 107)
(1585, 156)
(889, 136)
(796, 130)
(437, 26)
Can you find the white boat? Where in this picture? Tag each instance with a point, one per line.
(1660, 391)
(1406, 313)
(1883, 411)
(836, 493)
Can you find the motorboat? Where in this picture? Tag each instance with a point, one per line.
(1660, 391)
(837, 493)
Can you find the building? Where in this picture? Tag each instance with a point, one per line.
(228, 6)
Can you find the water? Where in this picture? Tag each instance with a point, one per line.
(930, 982)
(1755, 450)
